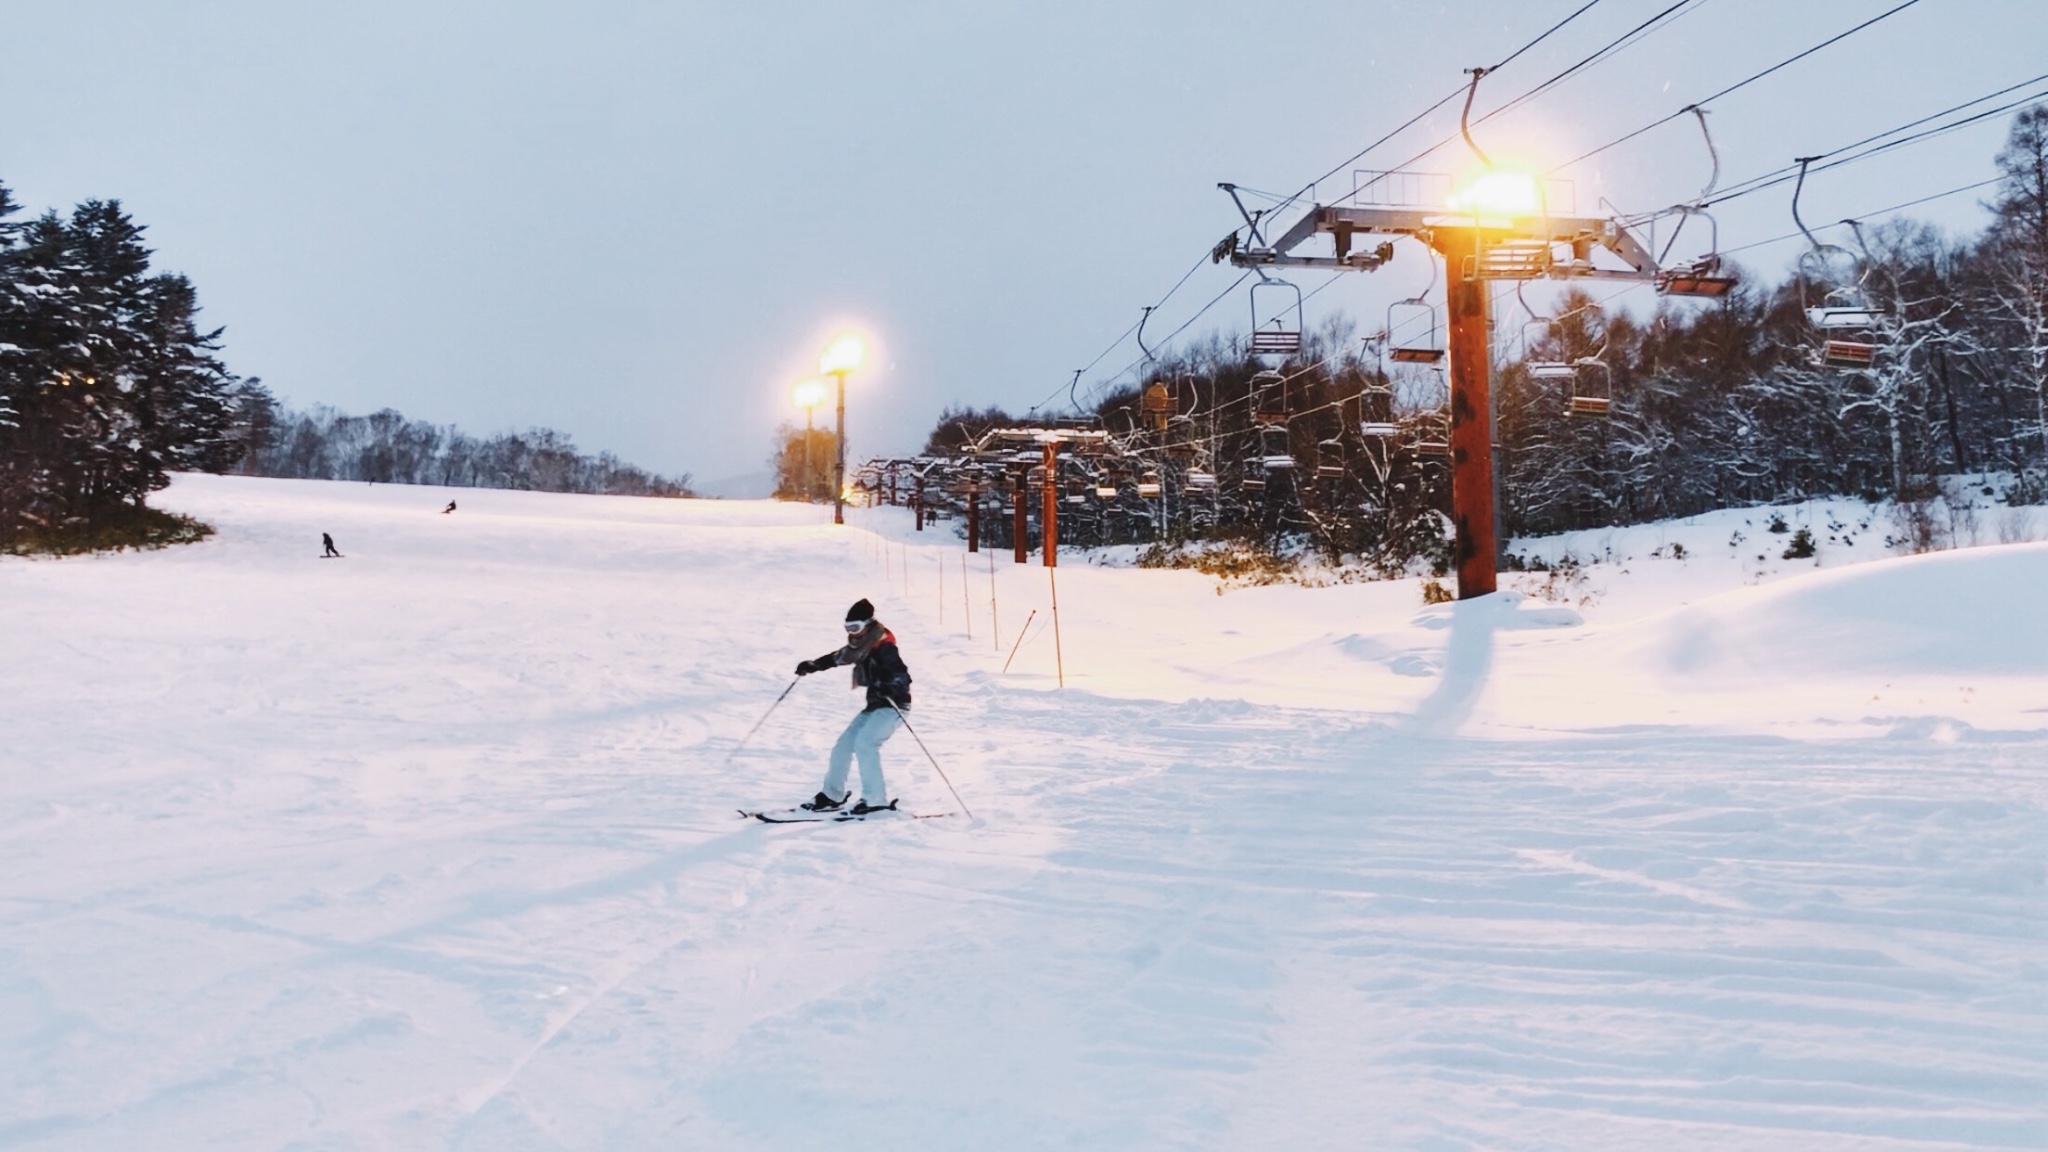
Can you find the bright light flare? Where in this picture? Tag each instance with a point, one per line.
(810, 393)
(1499, 192)
(844, 354)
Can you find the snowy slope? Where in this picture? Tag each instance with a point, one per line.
(433, 846)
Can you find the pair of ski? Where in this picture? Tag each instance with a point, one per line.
(834, 816)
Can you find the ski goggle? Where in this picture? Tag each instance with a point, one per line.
(856, 625)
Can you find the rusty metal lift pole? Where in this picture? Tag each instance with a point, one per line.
(974, 517)
(1049, 509)
(1472, 489)
(1021, 531)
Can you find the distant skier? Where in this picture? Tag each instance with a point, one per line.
(871, 649)
(449, 508)
(327, 542)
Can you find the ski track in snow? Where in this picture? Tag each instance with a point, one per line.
(437, 846)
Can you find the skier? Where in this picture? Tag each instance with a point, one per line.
(871, 649)
(327, 542)
(449, 508)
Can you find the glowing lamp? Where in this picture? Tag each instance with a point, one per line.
(810, 393)
(1499, 192)
(842, 355)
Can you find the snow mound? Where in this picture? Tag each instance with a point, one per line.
(1978, 611)
(1500, 612)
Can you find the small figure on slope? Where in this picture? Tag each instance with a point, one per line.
(877, 667)
(449, 508)
(327, 542)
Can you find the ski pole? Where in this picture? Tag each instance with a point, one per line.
(757, 724)
(934, 759)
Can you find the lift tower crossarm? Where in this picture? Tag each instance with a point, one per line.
(1582, 233)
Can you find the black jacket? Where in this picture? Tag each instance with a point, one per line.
(882, 671)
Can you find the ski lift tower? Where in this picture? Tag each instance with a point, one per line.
(1497, 228)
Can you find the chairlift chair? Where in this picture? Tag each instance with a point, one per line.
(1409, 349)
(1843, 309)
(1702, 277)
(1272, 399)
(1148, 486)
(1330, 459)
(1848, 353)
(1847, 323)
(1550, 370)
(1592, 388)
(1280, 339)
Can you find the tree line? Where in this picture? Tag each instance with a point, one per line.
(386, 447)
(109, 384)
(1709, 406)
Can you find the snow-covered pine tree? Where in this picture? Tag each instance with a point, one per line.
(107, 383)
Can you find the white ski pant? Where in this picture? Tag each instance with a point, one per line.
(862, 740)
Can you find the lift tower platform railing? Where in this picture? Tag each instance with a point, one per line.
(1476, 248)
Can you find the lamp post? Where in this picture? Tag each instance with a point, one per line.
(809, 394)
(841, 357)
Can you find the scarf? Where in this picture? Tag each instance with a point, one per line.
(862, 643)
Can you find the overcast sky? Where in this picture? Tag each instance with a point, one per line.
(638, 222)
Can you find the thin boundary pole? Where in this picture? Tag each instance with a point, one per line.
(934, 759)
(1059, 657)
(1020, 638)
(995, 621)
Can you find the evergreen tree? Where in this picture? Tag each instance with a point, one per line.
(107, 383)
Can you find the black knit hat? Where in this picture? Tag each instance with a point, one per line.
(861, 610)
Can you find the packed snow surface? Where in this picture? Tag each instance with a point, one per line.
(437, 845)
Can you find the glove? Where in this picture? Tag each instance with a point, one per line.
(805, 668)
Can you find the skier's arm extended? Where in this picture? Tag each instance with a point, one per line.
(829, 660)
